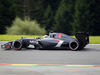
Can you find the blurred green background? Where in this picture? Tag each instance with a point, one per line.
(41, 16)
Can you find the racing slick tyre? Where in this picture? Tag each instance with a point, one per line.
(73, 45)
(17, 45)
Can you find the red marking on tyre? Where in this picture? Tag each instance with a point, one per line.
(59, 35)
(17, 48)
(74, 41)
(72, 49)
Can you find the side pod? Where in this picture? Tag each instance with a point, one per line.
(83, 38)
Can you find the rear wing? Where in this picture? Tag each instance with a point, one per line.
(83, 38)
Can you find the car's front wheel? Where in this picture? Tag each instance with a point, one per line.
(17, 45)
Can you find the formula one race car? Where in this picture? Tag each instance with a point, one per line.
(53, 41)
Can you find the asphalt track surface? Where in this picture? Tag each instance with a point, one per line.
(90, 55)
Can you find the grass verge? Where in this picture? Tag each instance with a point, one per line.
(93, 39)
(14, 37)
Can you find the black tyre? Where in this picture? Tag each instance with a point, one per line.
(17, 45)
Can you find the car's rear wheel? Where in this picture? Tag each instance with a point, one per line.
(73, 45)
